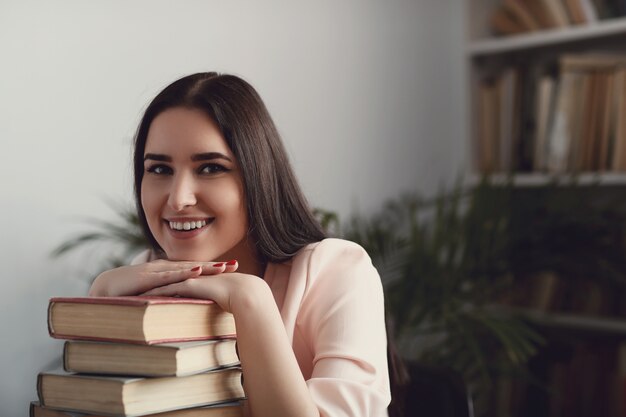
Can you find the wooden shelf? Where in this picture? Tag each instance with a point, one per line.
(575, 322)
(540, 179)
(567, 321)
(546, 38)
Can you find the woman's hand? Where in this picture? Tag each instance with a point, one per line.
(137, 279)
(232, 291)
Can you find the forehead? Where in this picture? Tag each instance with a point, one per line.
(182, 130)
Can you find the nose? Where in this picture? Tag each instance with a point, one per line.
(183, 193)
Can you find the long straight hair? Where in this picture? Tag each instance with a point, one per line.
(280, 219)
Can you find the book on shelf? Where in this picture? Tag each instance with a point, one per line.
(618, 149)
(544, 287)
(562, 129)
(589, 10)
(168, 359)
(136, 396)
(504, 23)
(136, 319)
(576, 12)
(229, 409)
(509, 114)
(488, 144)
(518, 11)
(544, 103)
(511, 17)
(542, 14)
(567, 121)
(557, 13)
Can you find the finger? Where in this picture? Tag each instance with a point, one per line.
(161, 265)
(186, 288)
(213, 268)
(165, 291)
(159, 279)
(231, 266)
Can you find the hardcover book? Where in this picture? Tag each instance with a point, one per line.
(230, 409)
(136, 319)
(169, 359)
(127, 396)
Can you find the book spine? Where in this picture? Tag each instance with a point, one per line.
(39, 393)
(66, 347)
(50, 329)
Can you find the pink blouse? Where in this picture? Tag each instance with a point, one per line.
(331, 301)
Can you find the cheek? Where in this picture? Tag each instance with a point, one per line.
(148, 201)
(233, 206)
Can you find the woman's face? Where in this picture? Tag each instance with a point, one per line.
(192, 189)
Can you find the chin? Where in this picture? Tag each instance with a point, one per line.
(187, 256)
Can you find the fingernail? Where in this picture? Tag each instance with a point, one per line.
(232, 262)
(196, 268)
(218, 265)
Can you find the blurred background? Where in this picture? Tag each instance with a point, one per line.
(475, 148)
(366, 95)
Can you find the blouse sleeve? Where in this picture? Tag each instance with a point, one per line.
(342, 319)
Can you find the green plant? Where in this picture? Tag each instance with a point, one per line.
(443, 263)
(123, 236)
(446, 262)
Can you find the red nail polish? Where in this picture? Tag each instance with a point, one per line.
(196, 268)
(233, 262)
(219, 265)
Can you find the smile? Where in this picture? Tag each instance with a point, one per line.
(188, 225)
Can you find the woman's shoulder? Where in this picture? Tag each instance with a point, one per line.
(332, 248)
(331, 258)
(333, 272)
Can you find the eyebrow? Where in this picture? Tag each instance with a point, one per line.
(207, 156)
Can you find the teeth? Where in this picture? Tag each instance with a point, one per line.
(187, 225)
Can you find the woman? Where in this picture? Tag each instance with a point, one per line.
(227, 221)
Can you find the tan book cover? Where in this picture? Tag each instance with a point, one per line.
(166, 359)
(131, 397)
(230, 409)
(136, 319)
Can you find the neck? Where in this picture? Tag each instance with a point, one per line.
(247, 257)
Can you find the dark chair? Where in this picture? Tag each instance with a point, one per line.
(431, 391)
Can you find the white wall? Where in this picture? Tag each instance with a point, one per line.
(367, 95)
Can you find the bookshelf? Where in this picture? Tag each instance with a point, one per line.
(549, 38)
(505, 128)
(538, 179)
(580, 346)
(579, 324)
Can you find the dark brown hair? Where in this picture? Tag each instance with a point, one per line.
(280, 219)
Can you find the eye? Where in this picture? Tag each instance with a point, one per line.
(159, 169)
(212, 168)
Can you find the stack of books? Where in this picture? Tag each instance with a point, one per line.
(137, 356)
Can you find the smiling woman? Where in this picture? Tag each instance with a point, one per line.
(220, 205)
(191, 178)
